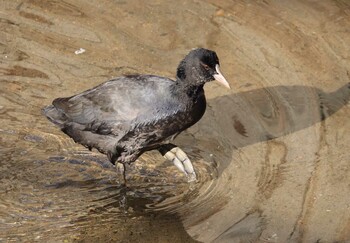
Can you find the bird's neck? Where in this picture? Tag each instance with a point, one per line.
(187, 88)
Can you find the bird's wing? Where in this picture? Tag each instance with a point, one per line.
(113, 105)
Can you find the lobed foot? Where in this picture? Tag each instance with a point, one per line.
(182, 162)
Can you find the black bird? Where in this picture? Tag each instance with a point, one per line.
(129, 115)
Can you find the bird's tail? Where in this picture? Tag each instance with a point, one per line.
(54, 115)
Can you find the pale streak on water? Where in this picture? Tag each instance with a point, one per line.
(272, 154)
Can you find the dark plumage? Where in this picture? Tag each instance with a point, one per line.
(129, 115)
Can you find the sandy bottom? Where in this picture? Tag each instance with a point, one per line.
(272, 154)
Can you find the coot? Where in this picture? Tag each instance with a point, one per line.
(128, 115)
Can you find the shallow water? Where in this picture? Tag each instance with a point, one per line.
(272, 154)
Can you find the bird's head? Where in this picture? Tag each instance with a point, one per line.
(201, 66)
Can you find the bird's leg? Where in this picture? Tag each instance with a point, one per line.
(124, 173)
(113, 159)
(179, 158)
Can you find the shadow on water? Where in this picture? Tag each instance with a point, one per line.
(238, 120)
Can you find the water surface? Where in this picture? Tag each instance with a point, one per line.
(272, 155)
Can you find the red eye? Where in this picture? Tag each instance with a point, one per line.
(205, 66)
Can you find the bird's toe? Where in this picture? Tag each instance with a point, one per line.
(182, 162)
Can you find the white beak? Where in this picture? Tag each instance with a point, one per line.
(220, 78)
